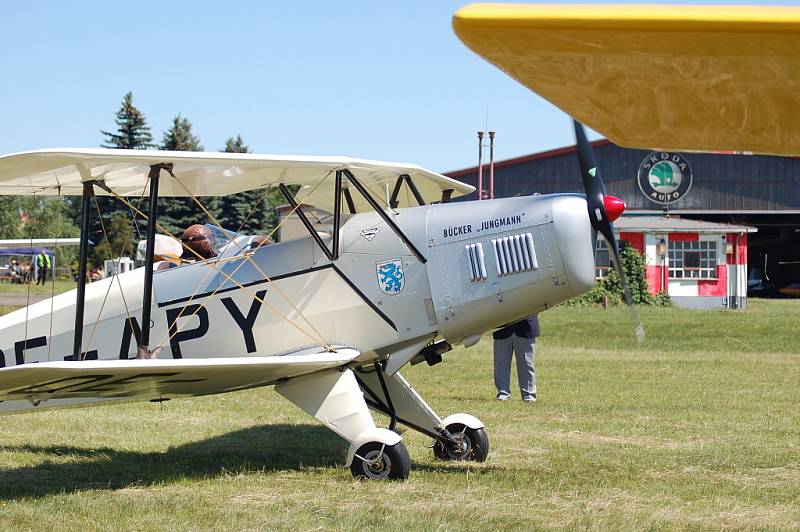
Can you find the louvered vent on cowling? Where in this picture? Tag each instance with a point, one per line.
(477, 266)
(515, 254)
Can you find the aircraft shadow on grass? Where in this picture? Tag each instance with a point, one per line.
(280, 447)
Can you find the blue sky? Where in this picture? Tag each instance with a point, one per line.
(379, 80)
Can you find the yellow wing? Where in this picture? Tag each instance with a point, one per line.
(700, 78)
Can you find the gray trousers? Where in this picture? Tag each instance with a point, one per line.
(525, 349)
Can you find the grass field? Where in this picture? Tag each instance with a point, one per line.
(37, 289)
(5, 309)
(698, 428)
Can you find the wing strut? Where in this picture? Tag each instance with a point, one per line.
(332, 255)
(88, 193)
(340, 190)
(394, 202)
(399, 232)
(147, 293)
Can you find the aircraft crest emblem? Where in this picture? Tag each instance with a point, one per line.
(391, 278)
(369, 234)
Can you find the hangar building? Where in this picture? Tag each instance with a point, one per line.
(707, 224)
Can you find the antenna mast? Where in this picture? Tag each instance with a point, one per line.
(491, 165)
(480, 165)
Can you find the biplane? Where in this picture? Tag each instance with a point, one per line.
(396, 274)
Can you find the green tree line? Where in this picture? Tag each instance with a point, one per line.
(116, 231)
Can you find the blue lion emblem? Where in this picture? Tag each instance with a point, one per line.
(390, 276)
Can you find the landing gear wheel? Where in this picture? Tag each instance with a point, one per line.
(472, 444)
(378, 461)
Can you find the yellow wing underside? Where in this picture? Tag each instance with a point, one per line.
(687, 78)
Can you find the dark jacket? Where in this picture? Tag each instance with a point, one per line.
(527, 328)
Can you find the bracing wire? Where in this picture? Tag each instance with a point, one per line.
(53, 277)
(111, 283)
(249, 258)
(136, 226)
(210, 271)
(224, 274)
(116, 266)
(28, 276)
(321, 340)
(133, 214)
(261, 198)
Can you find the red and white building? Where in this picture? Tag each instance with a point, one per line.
(699, 264)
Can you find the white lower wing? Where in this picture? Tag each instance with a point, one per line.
(52, 384)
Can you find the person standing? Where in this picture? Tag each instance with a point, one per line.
(43, 264)
(519, 338)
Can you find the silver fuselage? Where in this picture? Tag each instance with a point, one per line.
(460, 292)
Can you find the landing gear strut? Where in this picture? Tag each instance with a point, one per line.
(458, 437)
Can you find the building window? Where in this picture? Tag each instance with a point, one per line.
(693, 260)
(602, 259)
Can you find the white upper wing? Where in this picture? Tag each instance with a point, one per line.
(208, 174)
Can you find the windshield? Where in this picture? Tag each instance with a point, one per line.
(220, 238)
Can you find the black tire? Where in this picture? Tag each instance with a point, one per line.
(474, 446)
(392, 462)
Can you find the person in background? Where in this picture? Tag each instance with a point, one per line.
(25, 270)
(43, 264)
(519, 338)
(16, 272)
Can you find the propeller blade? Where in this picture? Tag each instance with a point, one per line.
(633, 314)
(593, 184)
(603, 210)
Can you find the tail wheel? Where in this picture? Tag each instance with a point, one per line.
(470, 444)
(378, 461)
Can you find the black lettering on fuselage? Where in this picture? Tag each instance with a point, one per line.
(498, 223)
(23, 345)
(175, 337)
(2, 359)
(246, 323)
(130, 329)
(457, 230)
(89, 355)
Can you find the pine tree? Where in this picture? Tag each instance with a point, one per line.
(236, 145)
(10, 223)
(176, 214)
(117, 241)
(248, 212)
(180, 137)
(133, 133)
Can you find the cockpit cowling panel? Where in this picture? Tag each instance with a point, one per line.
(497, 261)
